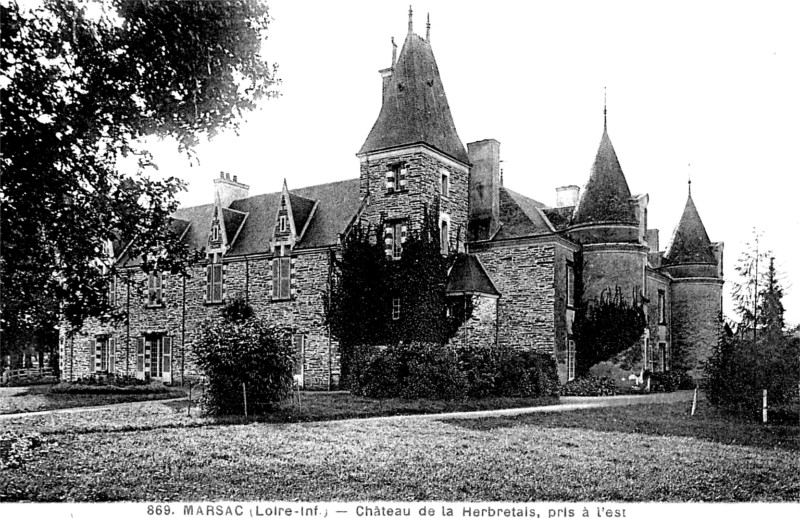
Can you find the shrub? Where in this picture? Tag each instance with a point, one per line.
(245, 351)
(527, 374)
(16, 450)
(117, 380)
(76, 388)
(415, 370)
(740, 369)
(590, 386)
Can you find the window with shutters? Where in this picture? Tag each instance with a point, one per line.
(394, 236)
(155, 295)
(282, 278)
(397, 178)
(570, 359)
(214, 281)
(154, 357)
(103, 359)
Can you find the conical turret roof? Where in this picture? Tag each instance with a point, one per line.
(606, 196)
(690, 242)
(415, 108)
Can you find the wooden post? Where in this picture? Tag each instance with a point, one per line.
(764, 407)
(694, 401)
(189, 406)
(244, 391)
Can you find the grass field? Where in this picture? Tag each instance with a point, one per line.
(37, 398)
(653, 452)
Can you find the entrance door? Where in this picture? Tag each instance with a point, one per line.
(155, 357)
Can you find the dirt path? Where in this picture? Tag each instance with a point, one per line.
(567, 403)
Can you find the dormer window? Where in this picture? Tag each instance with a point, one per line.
(283, 223)
(215, 232)
(397, 178)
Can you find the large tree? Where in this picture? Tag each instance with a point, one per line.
(82, 82)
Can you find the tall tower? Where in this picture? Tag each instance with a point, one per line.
(610, 224)
(695, 264)
(413, 156)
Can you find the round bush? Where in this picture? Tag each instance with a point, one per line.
(244, 353)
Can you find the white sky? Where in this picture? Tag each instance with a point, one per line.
(713, 84)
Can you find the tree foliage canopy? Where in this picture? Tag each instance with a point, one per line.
(81, 83)
(606, 327)
(365, 283)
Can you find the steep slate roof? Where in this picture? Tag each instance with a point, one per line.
(415, 108)
(606, 196)
(467, 276)
(560, 217)
(301, 210)
(520, 216)
(338, 203)
(690, 242)
(199, 218)
(232, 219)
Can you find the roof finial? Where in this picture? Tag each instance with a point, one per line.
(428, 31)
(410, 20)
(690, 180)
(394, 52)
(605, 109)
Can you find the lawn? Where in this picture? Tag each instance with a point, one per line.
(36, 398)
(651, 452)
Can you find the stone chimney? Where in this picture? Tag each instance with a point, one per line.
(484, 188)
(228, 190)
(567, 196)
(386, 74)
(652, 239)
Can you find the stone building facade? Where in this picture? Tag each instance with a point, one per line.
(519, 269)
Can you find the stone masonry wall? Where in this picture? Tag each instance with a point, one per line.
(481, 329)
(696, 305)
(252, 280)
(423, 185)
(607, 266)
(524, 276)
(659, 332)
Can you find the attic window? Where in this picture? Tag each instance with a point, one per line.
(282, 223)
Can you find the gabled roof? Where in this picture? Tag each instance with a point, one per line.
(468, 277)
(338, 202)
(415, 108)
(253, 219)
(301, 210)
(520, 216)
(690, 242)
(232, 219)
(606, 196)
